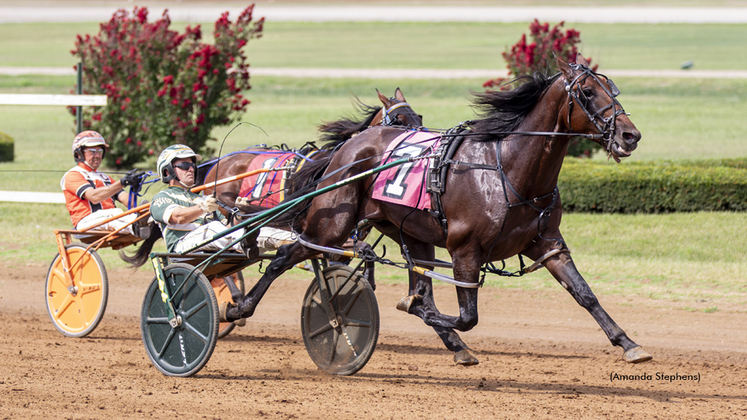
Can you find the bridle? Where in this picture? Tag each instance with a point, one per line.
(605, 126)
(389, 115)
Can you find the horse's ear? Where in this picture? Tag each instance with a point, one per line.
(564, 68)
(580, 60)
(399, 95)
(384, 100)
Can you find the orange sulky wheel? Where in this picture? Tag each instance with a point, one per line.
(77, 309)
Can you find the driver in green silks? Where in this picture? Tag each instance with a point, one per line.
(188, 219)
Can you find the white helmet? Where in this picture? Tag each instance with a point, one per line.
(178, 151)
(87, 138)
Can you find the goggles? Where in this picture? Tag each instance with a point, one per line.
(185, 166)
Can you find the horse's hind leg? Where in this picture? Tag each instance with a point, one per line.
(562, 268)
(286, 257)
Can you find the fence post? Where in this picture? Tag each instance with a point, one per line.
(79, 109)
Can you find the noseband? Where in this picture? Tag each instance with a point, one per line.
(576, 95)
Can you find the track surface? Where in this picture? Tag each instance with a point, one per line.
(542, 356)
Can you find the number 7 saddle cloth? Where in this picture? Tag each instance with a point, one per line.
(406, 184)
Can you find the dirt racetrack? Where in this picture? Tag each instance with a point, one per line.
(541, 356)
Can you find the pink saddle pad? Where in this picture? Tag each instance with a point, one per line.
(405, 184)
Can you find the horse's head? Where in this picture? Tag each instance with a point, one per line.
(396, 111)
(593, 108)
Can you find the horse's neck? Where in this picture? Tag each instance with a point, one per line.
(533, 163)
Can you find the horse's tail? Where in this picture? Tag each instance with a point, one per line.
(337, 132)
(141, 255)
(302, 182)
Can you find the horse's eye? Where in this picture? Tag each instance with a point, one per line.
(589, 93)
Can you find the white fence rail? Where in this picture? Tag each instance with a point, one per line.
(38, 99)
(32, 197)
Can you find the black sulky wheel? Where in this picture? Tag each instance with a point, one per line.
(345, 348)
(184, 349)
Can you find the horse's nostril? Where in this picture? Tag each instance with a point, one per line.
(631, 138)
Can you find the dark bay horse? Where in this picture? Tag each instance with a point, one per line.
(500, 198)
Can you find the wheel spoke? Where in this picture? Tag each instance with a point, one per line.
(86, 288)
(159, 320)
(166, 343)
(347, 340)
(335, 339)
(69, 299)
(59, 277)
(81, 307)
(356, 323)
(349, 306)
(323, 329)
(188, 313)
(345, 281)
(193, 330)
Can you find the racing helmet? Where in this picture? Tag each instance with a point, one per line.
(163, 164)
(87, 138)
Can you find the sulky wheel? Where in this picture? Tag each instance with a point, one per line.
(222, 293)
(345, 348)
(77, 310)
(184, 349)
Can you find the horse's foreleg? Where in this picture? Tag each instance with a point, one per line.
(421, 303)
(422, 286)
(562, 268)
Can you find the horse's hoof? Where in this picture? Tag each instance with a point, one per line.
(407, 302)
(240, 322)
(222, 309)
(465, 358)
(637, 355)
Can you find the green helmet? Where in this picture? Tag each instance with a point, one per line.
(163, 165)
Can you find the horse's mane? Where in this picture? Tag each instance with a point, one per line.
(337, 132)
(504, 110)
(301, 183)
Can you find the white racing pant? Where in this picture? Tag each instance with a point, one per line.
(101, 215)
(268, 239)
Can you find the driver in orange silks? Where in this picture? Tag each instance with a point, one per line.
(90, 194)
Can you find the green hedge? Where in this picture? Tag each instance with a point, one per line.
(6, 148)
(654, 187)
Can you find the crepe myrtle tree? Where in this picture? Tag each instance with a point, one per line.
(163, 87)
(538, 55)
